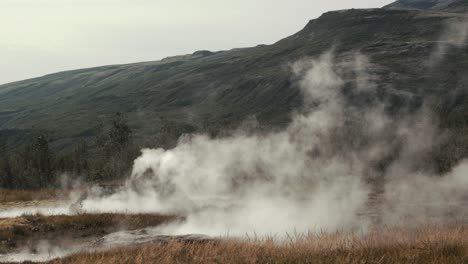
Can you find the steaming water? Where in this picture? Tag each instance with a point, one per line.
(36, 257)
(147, 235)
(58, 209)
(43, 251)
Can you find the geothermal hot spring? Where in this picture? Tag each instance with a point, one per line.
(322, 173)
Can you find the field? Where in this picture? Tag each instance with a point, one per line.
(431, 244)
(83, 233)
(14, 196)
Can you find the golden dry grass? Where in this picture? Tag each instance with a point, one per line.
(426, 245)
(16, 196)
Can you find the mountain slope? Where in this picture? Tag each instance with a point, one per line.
(208, 91)
(458, 6)
(450, 5)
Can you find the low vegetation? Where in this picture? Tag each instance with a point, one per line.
(36, 165)
(15, 196)
(426, 245)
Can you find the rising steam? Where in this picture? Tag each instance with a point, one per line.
(318, 174)
(454, 36)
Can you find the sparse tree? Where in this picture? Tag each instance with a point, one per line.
(6, 173)
(43, 159)
(116, 138)
(120, 134)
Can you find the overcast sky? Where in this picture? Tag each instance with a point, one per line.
(38, 37)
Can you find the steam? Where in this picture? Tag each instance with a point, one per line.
(454, 36)
(317, 174)
(278, 182)
(40, 252)
(53, 209)
(428, 199)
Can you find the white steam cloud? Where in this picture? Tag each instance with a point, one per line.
(255, 183)
(318, 174)
(42, 251)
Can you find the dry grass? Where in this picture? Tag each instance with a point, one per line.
(15, 196)
(426, 245)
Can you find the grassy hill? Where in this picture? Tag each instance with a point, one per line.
(212, 91)
(205, 91)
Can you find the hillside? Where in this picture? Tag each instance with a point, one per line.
(210, 91)
(446, 5)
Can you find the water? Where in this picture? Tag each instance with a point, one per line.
(44, 251)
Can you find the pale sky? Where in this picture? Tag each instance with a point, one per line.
(38, 37)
